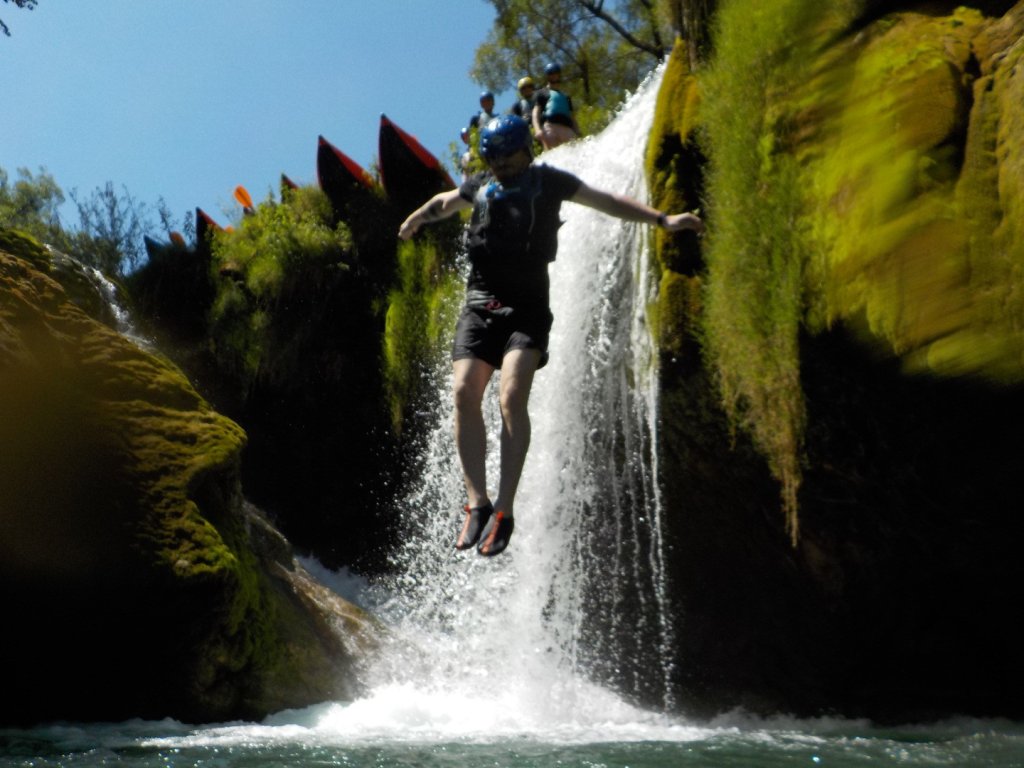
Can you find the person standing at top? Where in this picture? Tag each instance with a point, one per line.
(486, 113)
(466, 158)
(506, 318)
(553, 120)
(524, 106)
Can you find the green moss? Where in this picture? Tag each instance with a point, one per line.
(137, 478)
(930, 171)
(886, 164)
(185, 457)
(758, 244)
(674, 115)
(672, 162)
(676, 312)
(421, 314)
(989, 198)
(23, 245)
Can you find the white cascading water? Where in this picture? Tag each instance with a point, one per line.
(107, 291)
(576, 607)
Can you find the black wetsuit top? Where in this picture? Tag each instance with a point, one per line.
(513, 236)
(523, 108)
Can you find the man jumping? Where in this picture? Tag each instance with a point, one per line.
(506, 320)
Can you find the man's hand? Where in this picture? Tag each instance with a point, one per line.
(440, 206)
(409, 227)
(680, 221)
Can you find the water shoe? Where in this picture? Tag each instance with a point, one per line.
(476, 519)
(496, 535)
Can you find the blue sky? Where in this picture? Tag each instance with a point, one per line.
(186, 99)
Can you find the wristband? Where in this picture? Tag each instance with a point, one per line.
(662, 220)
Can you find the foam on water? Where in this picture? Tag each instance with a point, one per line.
(408, 713)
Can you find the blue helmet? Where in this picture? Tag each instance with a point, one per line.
(504, 136)
(553, 67)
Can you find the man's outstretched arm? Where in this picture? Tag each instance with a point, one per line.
(627, 208)
(440, 206)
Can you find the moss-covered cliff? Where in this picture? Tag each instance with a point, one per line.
(133, 581)
(851, 354)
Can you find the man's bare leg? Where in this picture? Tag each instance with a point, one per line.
(471, 376)
(517, 370)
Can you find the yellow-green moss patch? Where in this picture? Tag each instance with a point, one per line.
(421, 314)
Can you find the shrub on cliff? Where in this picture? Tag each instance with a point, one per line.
(278, 253)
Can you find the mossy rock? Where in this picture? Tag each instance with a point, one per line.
(675, 315)
(23, 245)
(915, 184)
(122, 507)
(674, 162)
(859, 177)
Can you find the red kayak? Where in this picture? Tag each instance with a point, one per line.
(410, 174)
(287, 185)
(341, 178)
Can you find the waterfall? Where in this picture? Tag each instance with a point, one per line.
(111, 310)
(574, 613)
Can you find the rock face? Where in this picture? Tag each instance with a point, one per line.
(133, 580)
(886, 151)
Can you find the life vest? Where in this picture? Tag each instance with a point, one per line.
(558, 105)
(515, 219)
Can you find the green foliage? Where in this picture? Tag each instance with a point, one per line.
(111, 229)
(759, 244)
(273, 251)
(421, 314)
(111, 224)
(31, 204)
(466, 157)
(605, 49)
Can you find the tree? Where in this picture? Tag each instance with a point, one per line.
(605, 47)
(111, 225)
(32, 205)
(598, 62)
(111, 230)
(29, 4)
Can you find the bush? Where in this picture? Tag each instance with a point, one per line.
(275, 252)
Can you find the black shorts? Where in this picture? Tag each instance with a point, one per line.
(487, 334)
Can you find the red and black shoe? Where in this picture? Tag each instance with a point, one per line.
(476, 519)
(496, 535)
